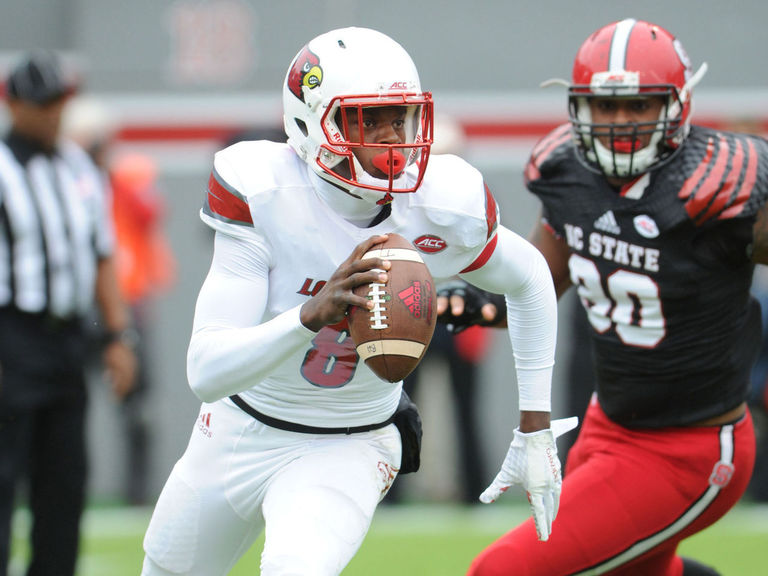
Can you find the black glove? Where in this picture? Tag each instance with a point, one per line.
(474, 300)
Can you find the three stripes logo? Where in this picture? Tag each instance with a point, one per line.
(204, 424)
(417, 299)
(607, 223)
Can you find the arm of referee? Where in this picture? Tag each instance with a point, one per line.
(119, 356)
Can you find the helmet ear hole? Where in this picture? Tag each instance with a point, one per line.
(302, 126)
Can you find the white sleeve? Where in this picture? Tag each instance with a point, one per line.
(520, 272)
(230, 350)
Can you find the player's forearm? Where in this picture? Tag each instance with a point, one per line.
(532, 328)
(519, 270)
(225, 361)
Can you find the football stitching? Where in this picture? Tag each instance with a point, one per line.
(379, 297)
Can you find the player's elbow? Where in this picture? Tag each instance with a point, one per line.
(202, 381)
(540, 282)
(200, 388)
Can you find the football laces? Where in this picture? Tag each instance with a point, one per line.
(379, 297)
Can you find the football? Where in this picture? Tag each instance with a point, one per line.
(393, 337)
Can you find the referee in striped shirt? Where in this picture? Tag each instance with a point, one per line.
(56, 267)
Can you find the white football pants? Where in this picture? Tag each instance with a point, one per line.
(316, 495)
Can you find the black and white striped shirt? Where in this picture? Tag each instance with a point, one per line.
(55, 225)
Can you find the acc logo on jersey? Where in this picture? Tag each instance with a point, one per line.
(429, 243)
(305, 71)
(645, 226)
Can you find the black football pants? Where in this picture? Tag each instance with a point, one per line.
(44, 443)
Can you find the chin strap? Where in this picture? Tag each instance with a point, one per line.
(694, 80)
(386, 210)
(686, 89)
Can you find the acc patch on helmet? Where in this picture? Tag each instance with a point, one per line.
(305, 71)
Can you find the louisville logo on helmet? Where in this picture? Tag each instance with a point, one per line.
(306, 71)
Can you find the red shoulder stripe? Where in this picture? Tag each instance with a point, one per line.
(491, 212)
(710, 186)
(225, 203)
(745, 191)
(693, 180)
(544, 148)
(711, 193)
(551, 140)
(492, 222)
(724, 195)
(484, 255)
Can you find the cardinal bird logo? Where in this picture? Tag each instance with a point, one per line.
(306, 71)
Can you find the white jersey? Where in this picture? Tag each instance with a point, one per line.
(265, 205)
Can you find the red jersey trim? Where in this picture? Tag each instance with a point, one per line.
(722, 198)
(491, 212)
(711, 192)
(484, 255)
(747, 186)
(544, 149)
(225, 203)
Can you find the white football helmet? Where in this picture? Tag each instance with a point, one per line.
(356, 68)
(631, 58)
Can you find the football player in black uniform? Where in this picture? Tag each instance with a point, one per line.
(658, 224)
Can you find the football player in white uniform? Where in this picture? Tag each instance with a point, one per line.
(295, 434)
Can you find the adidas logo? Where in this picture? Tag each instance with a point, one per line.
(416, 298)
(204, 424)
(607, 223)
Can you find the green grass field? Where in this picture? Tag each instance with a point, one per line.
(411, 540)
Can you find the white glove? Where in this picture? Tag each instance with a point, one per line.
(532, 462)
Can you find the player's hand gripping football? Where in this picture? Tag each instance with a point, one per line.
(532, 462)
(330, 304)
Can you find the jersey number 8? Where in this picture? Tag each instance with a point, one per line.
(332, 360)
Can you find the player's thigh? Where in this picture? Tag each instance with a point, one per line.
(631, 500)
(319, 507)
(195, 530)
(594, 522)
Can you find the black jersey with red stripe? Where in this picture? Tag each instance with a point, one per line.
(662, 268)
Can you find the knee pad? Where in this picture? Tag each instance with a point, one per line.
(171, 539)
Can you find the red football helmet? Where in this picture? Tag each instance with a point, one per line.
(631, 58)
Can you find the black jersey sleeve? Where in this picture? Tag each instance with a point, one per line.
(726, 175)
